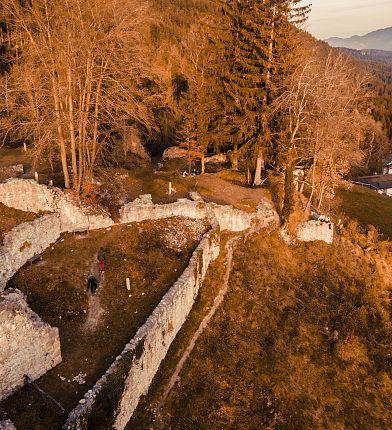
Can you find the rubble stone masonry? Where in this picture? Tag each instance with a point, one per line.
(28, 195)
(24, 242)
(312, 230)
(29, 346)
(142, 356)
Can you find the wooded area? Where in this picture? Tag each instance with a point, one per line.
(211, 76)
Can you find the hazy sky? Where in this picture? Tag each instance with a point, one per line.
(346, 18)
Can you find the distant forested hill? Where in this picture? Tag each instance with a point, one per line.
(379, 65)
(370, 55)
(379, 39)
(383, 101)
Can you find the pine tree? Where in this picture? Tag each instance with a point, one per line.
(254, 41)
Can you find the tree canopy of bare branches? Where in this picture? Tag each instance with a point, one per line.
(78, 77)
(325, 125)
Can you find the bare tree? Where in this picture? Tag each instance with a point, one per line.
(324, 124)
(78, 76)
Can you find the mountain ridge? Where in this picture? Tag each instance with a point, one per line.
(379, 39)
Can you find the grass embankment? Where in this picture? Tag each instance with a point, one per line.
(56, 289)
(302, 341)
(367, 207)
(144, 416)
(10, 218)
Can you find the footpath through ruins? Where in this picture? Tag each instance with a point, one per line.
(67, 237)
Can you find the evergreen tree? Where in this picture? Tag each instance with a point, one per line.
(254, 45)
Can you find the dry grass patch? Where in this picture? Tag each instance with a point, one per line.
(302, 341)
(367, 207)
(10, 218)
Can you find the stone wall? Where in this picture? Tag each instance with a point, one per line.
(28, 195)
(24, 242)
(7, 425)
(312, 230)
(29, 346)
(228, 217)
(140, 359)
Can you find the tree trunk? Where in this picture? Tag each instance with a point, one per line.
(63, 149)
(259, 168)
(57, 105)
(96, 118)
(313, 186)
(234, 158)
(302, 186)
(321, 197)
(72, 131)
(202, 164)
(289, 194)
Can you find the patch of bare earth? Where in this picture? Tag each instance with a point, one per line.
(94, 330)
(216, 189)
(120, 185)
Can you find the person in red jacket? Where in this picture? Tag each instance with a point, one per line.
(101, 259)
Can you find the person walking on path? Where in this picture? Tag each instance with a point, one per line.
(101, 259)
(92, 284)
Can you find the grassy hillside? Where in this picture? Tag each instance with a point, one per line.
(368, 208)
(302, 341)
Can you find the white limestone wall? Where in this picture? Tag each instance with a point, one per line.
(153, 339)
(151, 343)
(228, 217)
(29, 239)
(28, 195)
(24, 241)
(7, 425)
(29, 346)
(313, 230)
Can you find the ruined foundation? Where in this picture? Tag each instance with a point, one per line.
(130, 375)
(29, 346)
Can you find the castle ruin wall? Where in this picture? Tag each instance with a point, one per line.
(24, 242)
(313, 230)
(144, 353)
(29, 346)
(229, 218)
(28, 195)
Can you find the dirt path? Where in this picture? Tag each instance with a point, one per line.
(95, 309)
(229, 249)
(95, 312)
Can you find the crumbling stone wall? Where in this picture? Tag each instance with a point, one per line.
(228, 217)
(312, 230)
(142, 356)
(29, 346)
(144, 353)
(29, 239)
(28, 195)
(24, 242)
(7, 425)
